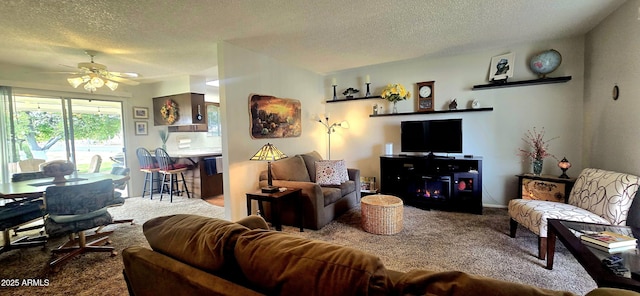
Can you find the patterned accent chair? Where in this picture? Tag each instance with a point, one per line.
(598, 196)
(72, 210)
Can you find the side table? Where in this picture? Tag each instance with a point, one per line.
(276, 199)
(544, 187)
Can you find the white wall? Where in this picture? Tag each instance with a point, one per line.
(495, 135)
(611, 57)
(242, 73)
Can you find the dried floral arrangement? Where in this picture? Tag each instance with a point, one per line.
(535, 140)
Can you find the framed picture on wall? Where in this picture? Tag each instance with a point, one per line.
(502, 67)
(142, 128)
(140, 112)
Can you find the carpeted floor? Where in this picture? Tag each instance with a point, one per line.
(95, 273)
(477, 244)
(431, 240)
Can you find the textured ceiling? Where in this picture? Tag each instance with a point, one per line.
(161, 38)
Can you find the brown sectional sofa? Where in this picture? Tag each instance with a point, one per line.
(194, 255)
(322, 203)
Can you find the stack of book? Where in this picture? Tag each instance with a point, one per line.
(609, 241)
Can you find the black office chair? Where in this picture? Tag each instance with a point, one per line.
(72, 210)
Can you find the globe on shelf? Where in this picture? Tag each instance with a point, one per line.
(545, 62)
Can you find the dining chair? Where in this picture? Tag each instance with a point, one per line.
(170, 169)
(17, 177)
(94, 165)
(120, 184)
(17, 213)
(30, 165)
(74, 209)
(149, 167)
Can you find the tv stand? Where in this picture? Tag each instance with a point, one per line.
(433, 182)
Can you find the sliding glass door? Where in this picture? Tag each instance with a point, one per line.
(47, 128)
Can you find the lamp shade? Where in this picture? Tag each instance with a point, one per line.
(268, 152)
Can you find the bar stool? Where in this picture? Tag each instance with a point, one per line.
(168, 168)
(149, 167)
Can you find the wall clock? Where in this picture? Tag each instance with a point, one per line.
(426, 95)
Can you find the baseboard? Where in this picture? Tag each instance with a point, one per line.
(494, 206)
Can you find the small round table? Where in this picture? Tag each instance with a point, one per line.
(381, 214)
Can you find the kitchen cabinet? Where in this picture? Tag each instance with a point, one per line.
(180, 110)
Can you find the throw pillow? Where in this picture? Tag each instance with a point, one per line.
(331, 172)
(290, 169)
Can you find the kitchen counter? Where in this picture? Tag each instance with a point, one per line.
(204, 181)
(187, 153)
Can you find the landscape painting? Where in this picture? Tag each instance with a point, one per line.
(273, 117)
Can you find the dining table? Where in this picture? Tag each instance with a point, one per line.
(19, 189)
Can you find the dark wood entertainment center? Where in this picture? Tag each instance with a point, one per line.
(450, 184)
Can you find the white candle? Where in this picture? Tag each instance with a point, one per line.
(333, 81)
(367, 79)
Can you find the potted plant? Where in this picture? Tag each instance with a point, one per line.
(349, 92)
(535, 140)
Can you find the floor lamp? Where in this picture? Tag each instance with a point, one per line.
(269, 153)
(331, 128)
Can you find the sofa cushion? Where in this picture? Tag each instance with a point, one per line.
(281, 264)
(331, 172)
(331, 194)
(452, 283)
(310, 161)
(290, 169)
(605, 193)
(533, 214)
(203, 242)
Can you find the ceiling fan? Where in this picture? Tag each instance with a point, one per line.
(94, 76)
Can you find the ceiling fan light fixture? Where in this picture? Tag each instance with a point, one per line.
(97, 81)
(75, 81)
(111, 85)
(89, 87)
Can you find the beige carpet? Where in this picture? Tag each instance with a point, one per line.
(430, 240)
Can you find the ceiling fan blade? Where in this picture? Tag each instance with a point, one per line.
(123, 80)
(125, 74)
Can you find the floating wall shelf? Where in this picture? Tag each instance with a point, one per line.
(432, 112)
(549, 80)
(354, 99)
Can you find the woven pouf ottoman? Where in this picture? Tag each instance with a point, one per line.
(381, 214)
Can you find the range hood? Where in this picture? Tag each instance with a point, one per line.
(182, 112)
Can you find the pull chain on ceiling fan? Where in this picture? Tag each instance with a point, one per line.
(94, 76)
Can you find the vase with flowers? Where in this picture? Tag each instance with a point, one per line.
(538, 149)
(394, 93)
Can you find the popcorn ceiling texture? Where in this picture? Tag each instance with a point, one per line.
(161, 37)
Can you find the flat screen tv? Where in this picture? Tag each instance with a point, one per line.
(433, 136)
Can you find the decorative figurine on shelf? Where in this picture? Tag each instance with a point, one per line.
(564, 165)
(453, 105)
(349, 92)
(376, 108)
